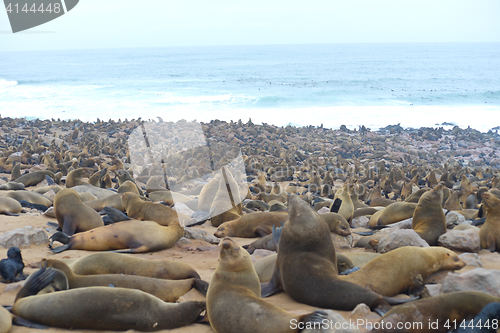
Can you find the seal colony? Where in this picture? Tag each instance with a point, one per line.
(173, 179)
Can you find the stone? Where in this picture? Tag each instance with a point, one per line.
(405, 224)
(23, 237)
(478, 279)
(453, 219)
(360, 222)
(360, 310)
(323, 210)
(196, 233)
(260, 253)
(400, 238)
(342, 242)
(460, 240)
(434, 289)
(471, 259)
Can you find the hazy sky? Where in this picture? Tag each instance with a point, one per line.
(160, 23)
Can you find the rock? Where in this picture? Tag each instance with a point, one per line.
(461, 240)
(196, 233)
(342, 242)
(434, 289)
(183, 241)
(336, 324)
(360, 222)
(50, 212)
(260, 253)
(15, 286)
(405, 224)
(400, 238)
(453, 219)
(360, 310)
(323, 210)
(471, 259)
(23, 237)
(478, 279)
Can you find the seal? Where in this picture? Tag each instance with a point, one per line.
(73, 215)
(336, 223)
(395, 212)
(429, 221)
(104, 308)
(142, 210)
(9, 206)
(116, 263)
(251, 225)
(11, 269)
(33, 178)
(12, 186)
(233, 298)
(137, 236)
(123, 176)
(114, 200)
(489, 234)
(74, 177)
(347, 206)
(32, 197)
(448, 308)
(128, 186)
(166, 290)
(5, 320)
(394, 272)
(307, 257)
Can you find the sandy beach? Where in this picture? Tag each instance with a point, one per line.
(425, 148)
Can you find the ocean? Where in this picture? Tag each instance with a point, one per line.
(414, 84)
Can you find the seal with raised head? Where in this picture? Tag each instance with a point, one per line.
(103, 308)
(306, 268)
(164, 289)
(73, 215)
(394, 272)
(429, 221)
(117, 263)
(489, 234)
(136, 236)
(234, 303)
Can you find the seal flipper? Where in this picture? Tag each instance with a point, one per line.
(273, 286)
(28, 204)
(62, 238)
(316, 318)
(10, 214)
(50, 181)
(364, 233)
(19, 321)
(38, 280)
(336, 206)
(113, 215)
(201, 286)
(276, 232)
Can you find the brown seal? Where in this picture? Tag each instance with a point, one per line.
(117, 263)
(347, 207)
(9, 206)
(337, 223)
(103, 308)
(394, 272)
(489, 234)
(142, 210)
(33, 178)
(166, 290)
(12, 186)
(123, 176)
(306, 268)
(233, 299)
(33, 197)
(5, 320)
(114, 200)
(251, 225)
(437, 311)
(429, 221)
(74, 178)
(73, 215)
(137, 236)
(395, 212)
(128, 186)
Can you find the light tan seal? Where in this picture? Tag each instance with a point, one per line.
(33, 178)
(104, 308)
(9, 206)
(395, 272)
(395, 212)
(73, 215)
(166, 290)
(114, 200)
(137, 236)
(429, 221)
(33, 197)
(117, 263)
(142, 210)
(489, 234)
(251, 225)
(234, 303)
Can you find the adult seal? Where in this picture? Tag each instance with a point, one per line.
(73, 215)
(429, 221)
(489, 234)
(306, 268)
(234, 303)
(251, 225)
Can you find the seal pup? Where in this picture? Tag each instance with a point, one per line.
(104, 308)
(489, 234)
(139, 209)
(306, 268)
(164, 289)
(73, 215)
(251, 225)
(11, 269)
(234, 303)
(429, 221)
(117, 263)
(136, 236)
